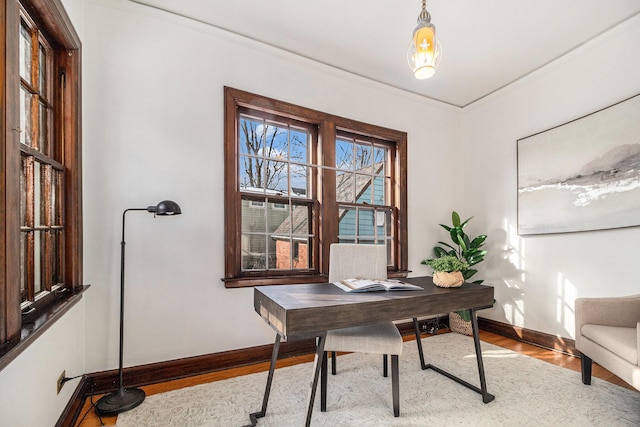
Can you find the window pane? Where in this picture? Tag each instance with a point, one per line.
(299, 146)
(277, 176)
(366, 223)
(251, 138)
(383, 223)
(23, 190)
(37, 262)
(278, 218)
(344, 187)
(347, 224)
(363, 157)
(379, 158)
(254, 217)
(25, 52)
(300, 181)
(56, 203)
(42, 71)
(23, 266)
(300, 254)
(379, 191)
(56, 252)
(284, 249)
(37, 194)
(276, 141)
(253, 252)
(43, 140)
(344, 154)
(25, 117)
(251, 174)
(364, 189)
(301, 219)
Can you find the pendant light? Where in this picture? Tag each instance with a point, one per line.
(424, 50)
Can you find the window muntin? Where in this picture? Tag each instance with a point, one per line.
(351, 193)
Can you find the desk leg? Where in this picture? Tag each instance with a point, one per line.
(486, 397)
(416, 328)
(272, 367)
(317, 365)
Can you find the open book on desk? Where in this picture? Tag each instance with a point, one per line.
(370, 285)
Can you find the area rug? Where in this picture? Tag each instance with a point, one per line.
(528, 391)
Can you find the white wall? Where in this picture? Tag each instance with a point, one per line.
(537, 278)
(28, 383)
(153, 125)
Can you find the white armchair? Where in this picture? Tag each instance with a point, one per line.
(608, 332)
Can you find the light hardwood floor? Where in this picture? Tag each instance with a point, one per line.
(88, 418)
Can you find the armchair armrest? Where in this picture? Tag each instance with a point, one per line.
(616, 311)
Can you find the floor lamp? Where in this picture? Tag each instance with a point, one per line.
(125, 399)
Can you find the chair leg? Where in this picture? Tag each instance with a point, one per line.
(323, 383)
(384, 366)
(333, 363)
(585, 364)
(395, 385)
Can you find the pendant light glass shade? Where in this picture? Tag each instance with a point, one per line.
(424, 50)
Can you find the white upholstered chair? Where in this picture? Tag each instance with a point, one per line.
(608, 332)
(347, 261)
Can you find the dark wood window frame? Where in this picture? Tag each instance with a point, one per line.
(18, 330)
(326, 207)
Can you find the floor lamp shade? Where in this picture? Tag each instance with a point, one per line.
(125, 399)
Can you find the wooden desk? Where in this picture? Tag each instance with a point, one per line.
(296, 311)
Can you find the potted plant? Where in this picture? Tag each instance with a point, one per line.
(468, 251)
(447, 271)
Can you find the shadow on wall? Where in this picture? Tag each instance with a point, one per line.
(510, 266)
(508, 263)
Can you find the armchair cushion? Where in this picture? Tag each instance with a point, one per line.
(621, 341)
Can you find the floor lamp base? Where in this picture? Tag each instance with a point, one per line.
(122, 400)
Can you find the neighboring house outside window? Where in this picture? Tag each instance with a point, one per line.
(297, 180)
(41, 174)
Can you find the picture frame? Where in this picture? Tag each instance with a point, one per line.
(582, 175)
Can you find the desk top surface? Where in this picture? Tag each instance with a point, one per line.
(309, 309)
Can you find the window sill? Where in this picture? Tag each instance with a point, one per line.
(35, 326)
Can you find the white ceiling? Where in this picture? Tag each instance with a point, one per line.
(486, 44)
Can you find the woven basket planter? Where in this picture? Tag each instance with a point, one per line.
(459, 325)
(448, 280)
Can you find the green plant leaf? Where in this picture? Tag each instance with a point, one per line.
(440, 252)
(445, 227)
(478, 241)
(465, 315)
(465, 222)
(455, 219)
(447, 245)
(468, 273)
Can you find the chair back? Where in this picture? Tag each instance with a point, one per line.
(349, 261)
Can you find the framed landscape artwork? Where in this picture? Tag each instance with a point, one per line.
(582, 175)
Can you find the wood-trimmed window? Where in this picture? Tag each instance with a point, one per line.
(41, 197)
(297, 180)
